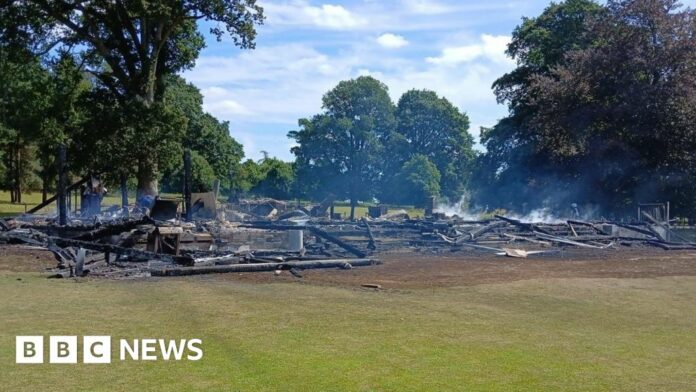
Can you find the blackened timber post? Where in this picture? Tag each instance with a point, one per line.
(187, 184)
(124, 194)
(62, 204)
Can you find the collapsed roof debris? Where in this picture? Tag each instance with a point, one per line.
(270, 235)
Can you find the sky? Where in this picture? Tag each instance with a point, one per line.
(305, 47)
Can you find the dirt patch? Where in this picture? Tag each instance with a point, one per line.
(414, 270)
(403, 271)
(14, 258)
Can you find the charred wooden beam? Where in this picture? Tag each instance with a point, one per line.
(64, 242)
(187, 184)
(331, 238)
(371, 245)
(485, 229)
(62, 192)
(114, 229)
(636, 229)
(260, 267)
(526, 226)
(54, 197)
(561, 240)
(586, 224)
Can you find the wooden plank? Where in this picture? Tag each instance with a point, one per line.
(260, 267)
(54, 197)
(553, 238)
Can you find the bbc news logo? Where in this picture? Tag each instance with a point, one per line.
(97, 349)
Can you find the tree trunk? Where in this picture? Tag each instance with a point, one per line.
(353, 203)
(18, 175)
(44, 187)
(147, 178)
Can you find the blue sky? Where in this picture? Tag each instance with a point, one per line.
(306, 47)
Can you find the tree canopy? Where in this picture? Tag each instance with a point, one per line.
(603, 115)
(129, 48)
(339, 150)
(363, 147)
(432, 127)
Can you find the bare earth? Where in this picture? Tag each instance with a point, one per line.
(414, 270)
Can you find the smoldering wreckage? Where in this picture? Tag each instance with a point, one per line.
(198, 234)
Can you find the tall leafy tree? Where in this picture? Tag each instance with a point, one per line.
(515, 170)
(340, 150)
(620, 114)
(275, 179)
(432, 127)
(24, 99)
(129, 47)
(204, 135)
(63, 117)
(417, 181)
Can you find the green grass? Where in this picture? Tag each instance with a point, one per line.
(30, 200)
(33, 199)
(573, 335)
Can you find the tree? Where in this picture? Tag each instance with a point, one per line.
(275, 179)
(540, 44)
(432, 127)
(515, 170)
(202, 176)
(339, 151)
(23, 101)
(417, 181)
(205, 135)
(63, 117)
(130, 47)
(245, 176)
(604, 114)
(619, 114)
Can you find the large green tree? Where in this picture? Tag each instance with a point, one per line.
(129, 47)
(417, 181)
(275, 179)
(515, 172)
(602, 112)
(339, 151)
(205, 135)
(64, 116)
(25, 97)
(430, 126)
(620, 114)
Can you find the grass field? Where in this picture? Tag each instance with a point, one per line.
(559, 334)
(30, 200)
(33, 199)
(534, 335)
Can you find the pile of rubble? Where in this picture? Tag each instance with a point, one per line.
(268, 235)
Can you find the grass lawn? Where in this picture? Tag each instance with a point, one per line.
(33, 199)
(534, 335)
(30, 200)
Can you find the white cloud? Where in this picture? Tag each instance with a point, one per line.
(391, 41)
(273, 86)
(222, 104)
(308, 46)
(301, 13)
(426, 7)
(490, 47)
